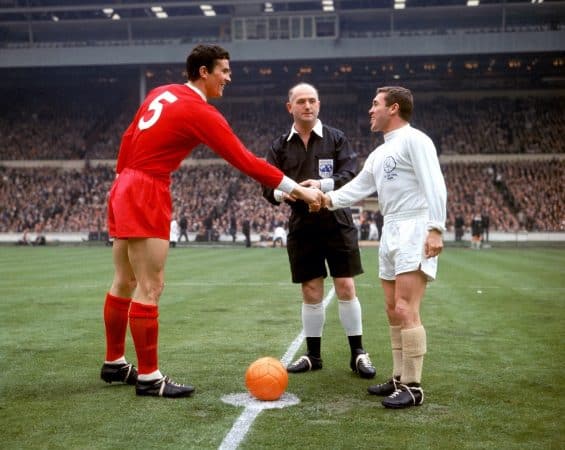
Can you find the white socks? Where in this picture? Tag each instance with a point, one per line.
(350, 316)
(150, 376)
(121, 360)
(313, 319)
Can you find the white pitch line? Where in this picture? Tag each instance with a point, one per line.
(239, 429)
(249, 414)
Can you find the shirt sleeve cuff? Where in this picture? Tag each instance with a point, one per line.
(327, 184)
(436, 226)
(332, 207)
(287, 185)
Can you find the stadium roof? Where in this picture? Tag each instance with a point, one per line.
(51, 20)
(431, 42)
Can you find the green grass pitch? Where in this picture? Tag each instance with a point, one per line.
(493, 375)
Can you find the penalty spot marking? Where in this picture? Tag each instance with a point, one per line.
(253, 407)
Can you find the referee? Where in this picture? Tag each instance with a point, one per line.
(320, 156)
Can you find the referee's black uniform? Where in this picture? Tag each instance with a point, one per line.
(325, 236)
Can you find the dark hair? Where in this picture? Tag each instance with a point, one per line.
(203, 55)
(402, 96)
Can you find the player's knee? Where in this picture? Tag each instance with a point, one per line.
(346, 294)
(404, 312)
(311, 295)
(312, 291)
(131, 284)
(390, 310)
(152, 292)
(124, 286)
(345, 288)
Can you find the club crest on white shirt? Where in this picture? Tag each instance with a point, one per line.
(388, 166)
(325, 168)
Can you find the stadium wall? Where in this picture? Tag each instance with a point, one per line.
(56, 55)
(444, 159)
(518, 238)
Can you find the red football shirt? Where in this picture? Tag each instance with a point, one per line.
(174, 119)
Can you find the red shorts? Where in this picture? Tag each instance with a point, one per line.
(139, 206)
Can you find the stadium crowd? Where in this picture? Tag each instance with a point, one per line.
(458, 126)
(519, 195)
(516, 196)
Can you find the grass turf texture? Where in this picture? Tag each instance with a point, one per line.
(492, 375)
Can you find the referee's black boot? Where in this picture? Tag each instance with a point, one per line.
(361, 363)
(405, 397)
(305, 363)
(119, 373)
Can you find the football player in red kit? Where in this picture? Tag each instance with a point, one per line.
(172, 120)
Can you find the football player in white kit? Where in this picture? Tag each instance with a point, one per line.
(406, 174)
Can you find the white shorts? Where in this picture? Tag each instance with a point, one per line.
(402, 248)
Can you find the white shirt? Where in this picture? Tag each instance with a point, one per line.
(279, 232)
(175, 231)
(406, 174)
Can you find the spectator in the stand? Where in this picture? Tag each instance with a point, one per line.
(174, 234)
(476, 231)
(25, 239)
(183, 228)
(246, 230)
(485, 220)
(373, 231)
(365, 227)
(40, 238)
(279, 236)
(379, 221)
(233, 227)
(459, 227)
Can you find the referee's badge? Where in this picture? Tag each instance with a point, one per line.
(325, 168)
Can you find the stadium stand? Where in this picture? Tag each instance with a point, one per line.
(518, 196)
(495, 109)
(91, 129)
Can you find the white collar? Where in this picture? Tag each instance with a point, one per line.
(396, 131)
(318, 129)
(198, 91)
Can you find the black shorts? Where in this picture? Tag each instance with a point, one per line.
(319, 239)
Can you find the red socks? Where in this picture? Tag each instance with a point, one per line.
(144, 328)
(116, 323)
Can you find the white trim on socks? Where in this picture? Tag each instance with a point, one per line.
(156, 375)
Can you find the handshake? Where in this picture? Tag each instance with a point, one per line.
(309, 191)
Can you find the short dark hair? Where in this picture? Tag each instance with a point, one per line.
(204, 55)
(402, 96)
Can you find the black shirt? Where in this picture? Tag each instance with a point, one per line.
(327, 156)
